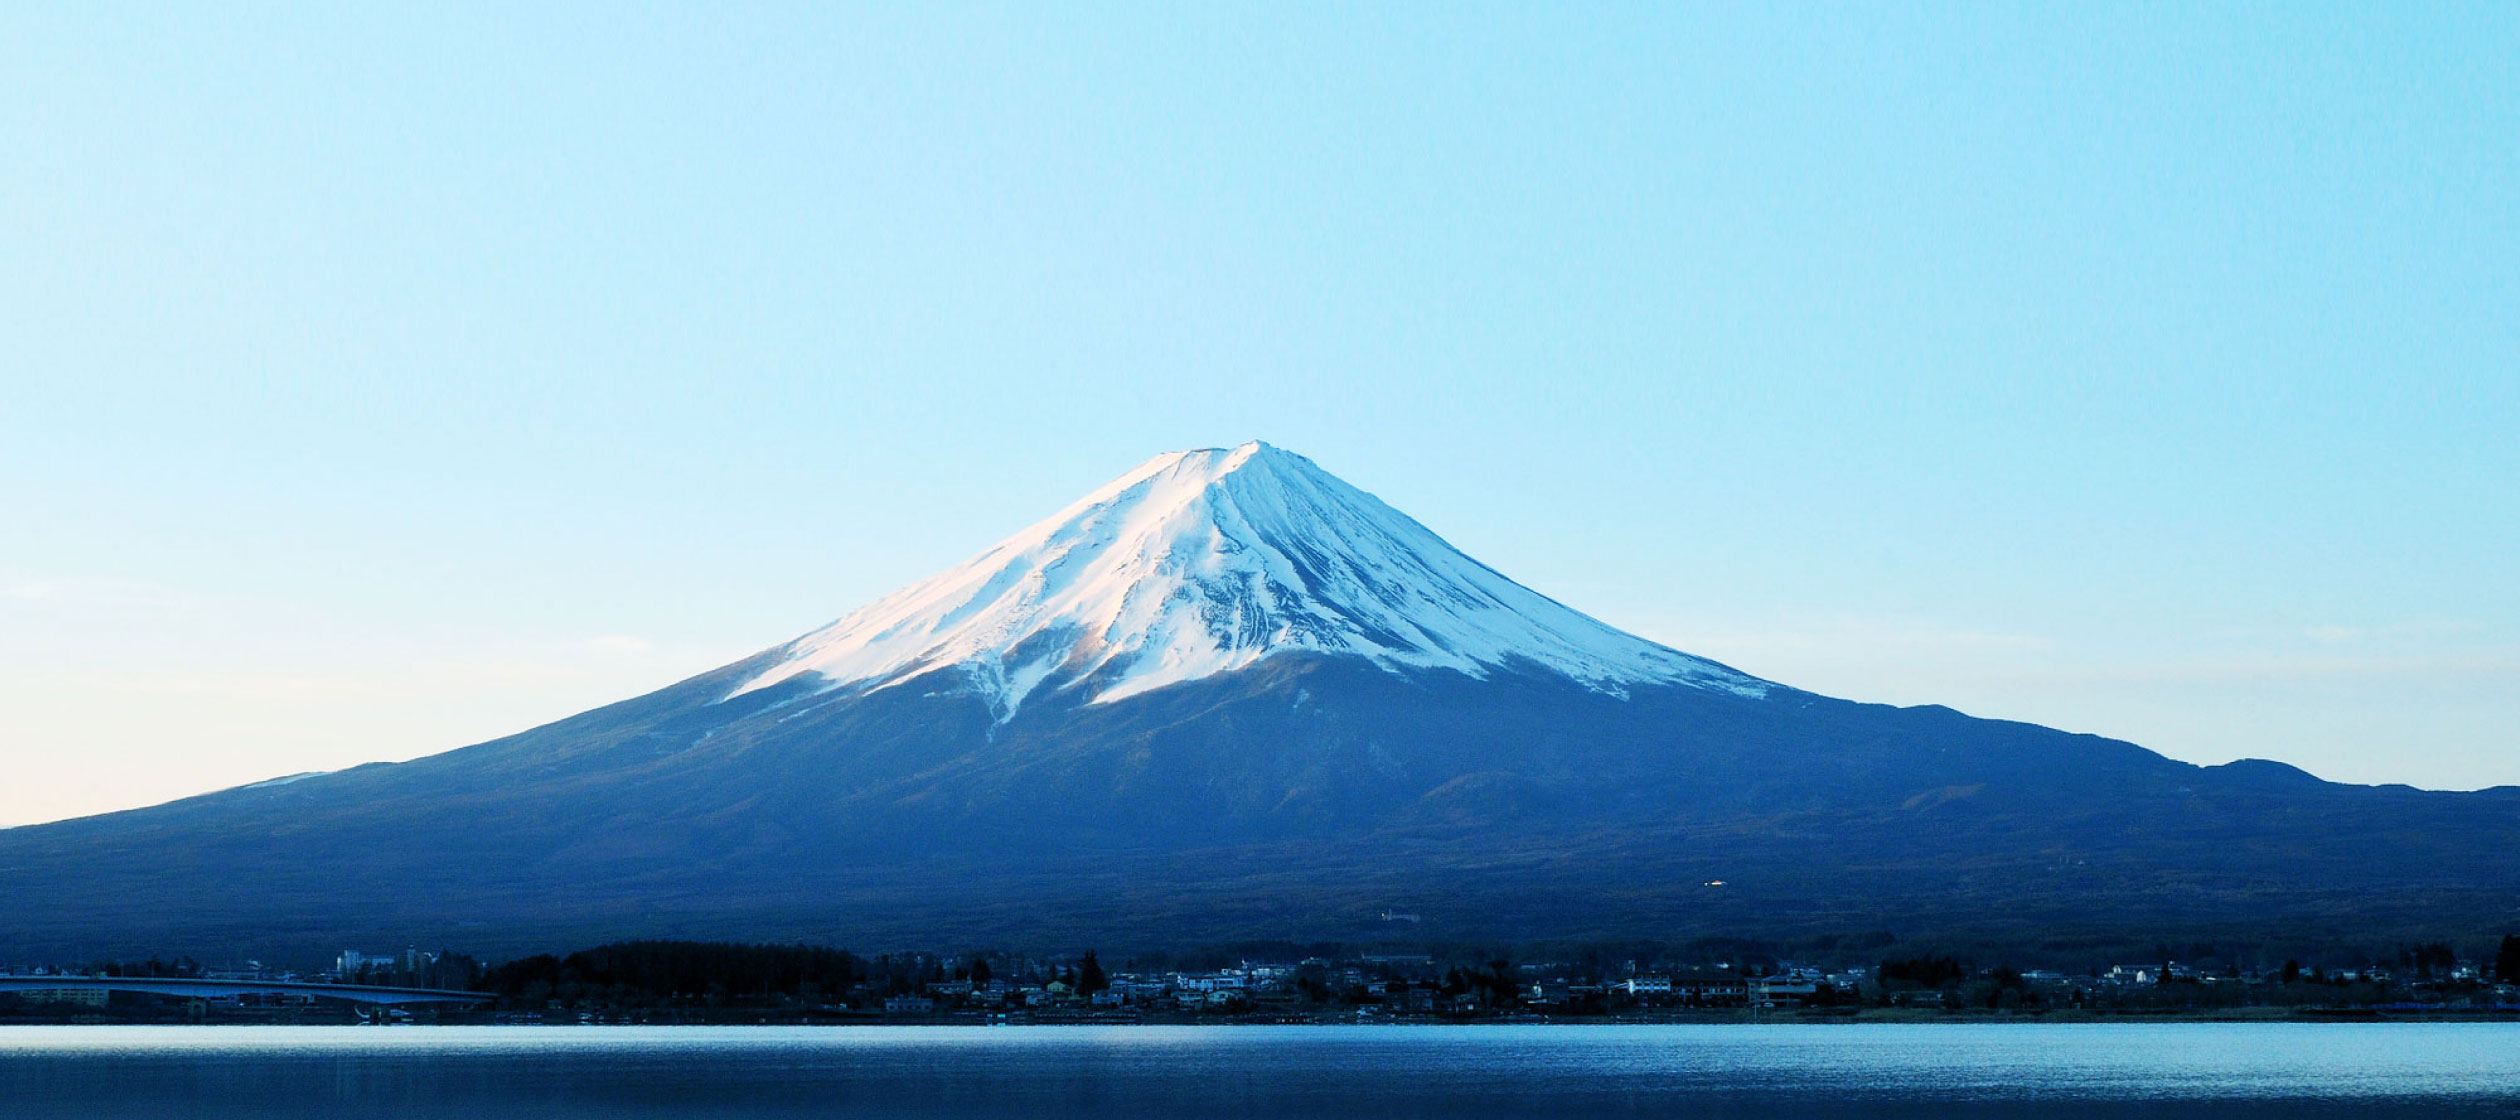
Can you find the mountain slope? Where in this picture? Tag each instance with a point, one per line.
(1228, 696)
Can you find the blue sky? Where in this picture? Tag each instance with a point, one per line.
(380, 381)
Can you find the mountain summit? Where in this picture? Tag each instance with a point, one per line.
(1202, 562)
(1228, 696)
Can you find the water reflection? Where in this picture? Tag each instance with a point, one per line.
(1220, 1073)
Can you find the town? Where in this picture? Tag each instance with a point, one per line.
(696, 982)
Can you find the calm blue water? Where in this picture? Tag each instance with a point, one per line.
(2162, 1070)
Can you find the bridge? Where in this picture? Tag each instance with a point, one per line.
(228, 989)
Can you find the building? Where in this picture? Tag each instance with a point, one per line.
(1782, 989)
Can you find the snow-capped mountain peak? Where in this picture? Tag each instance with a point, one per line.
(1202, 562)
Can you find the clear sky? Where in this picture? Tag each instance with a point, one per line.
(378, 381)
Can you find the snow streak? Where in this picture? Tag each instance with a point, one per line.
(1202, 562)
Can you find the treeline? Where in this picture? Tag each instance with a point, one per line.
(689, 972)
(1588, 958)
(668, 970)
(181, 968)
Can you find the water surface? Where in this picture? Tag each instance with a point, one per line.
(1213, 1073)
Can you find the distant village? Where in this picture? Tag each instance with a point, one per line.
(667, 982)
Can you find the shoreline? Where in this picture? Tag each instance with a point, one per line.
(1863, 1017)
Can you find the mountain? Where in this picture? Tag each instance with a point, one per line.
(1204, 562)
(1229, 696)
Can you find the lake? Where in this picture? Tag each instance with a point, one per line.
(1211, 1073)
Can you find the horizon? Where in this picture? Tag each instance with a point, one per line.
(389, 382)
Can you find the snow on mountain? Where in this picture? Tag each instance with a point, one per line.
(1201, 562)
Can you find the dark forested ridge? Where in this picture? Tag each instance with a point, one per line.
(661, 970)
